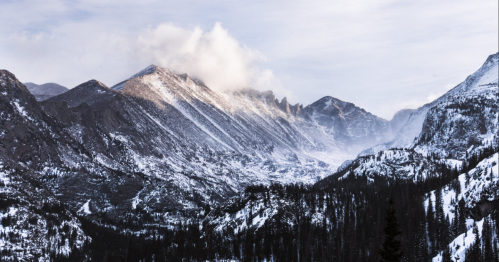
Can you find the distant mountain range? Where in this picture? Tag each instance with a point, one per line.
(449, 146)
(166, 144)
(45, 91)
(164, 133)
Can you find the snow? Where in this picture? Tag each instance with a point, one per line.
(85, 209)
(21, 110)
(483, 179)
(472, 193)
(461, 243)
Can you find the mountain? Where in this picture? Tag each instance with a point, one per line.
(33, 218)
(444, 181)
(461, 123)
(476, 192)
(346, 123)
(161, 141)
(45, 91)
(400, 119)
(161, 152)
(482, 81)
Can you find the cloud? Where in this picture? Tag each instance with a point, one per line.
(215, 57)
(382, 55)
(76, 52)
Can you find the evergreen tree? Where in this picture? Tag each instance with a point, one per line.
(473, 253)
(421, 243)
(488, 253)
(391, 249)
(430, 221)
(446, 255)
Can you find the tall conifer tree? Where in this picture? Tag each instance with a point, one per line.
(391, 249)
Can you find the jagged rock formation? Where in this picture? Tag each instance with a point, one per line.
(456, 129)
(33, 219)
(484, 80)
(457, 142)
(347, 123)
(162, 141)
(45, 91)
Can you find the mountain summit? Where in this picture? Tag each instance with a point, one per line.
(160, 131)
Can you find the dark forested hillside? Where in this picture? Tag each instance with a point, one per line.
(340, 221)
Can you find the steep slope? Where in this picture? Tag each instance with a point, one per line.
(475, 193)
(400, 119)
(482, 81)
(33, 219)
(45, 91)
(462, 123)
(447, 177)
(161, 141)
(28, 136)
(458, 134)
(344, 122)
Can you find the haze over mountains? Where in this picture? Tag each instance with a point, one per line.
(45, 91)
(166, 144)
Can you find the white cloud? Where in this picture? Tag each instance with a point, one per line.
(382, 55)
(215, 57)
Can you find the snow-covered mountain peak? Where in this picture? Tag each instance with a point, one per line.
(146, 71)
(460, 124)
(154, 69)
(487, 74)
(334, 106)
(477, 84)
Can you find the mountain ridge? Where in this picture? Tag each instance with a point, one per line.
(45, 91)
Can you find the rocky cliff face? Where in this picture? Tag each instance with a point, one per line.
(454, 128)
(485, 76)
(161, 141)
(347, 124)
(455, 152)
(33, 218)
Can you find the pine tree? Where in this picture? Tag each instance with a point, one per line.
(421, 243)
(391, 249)
(446, 255)
(430, 221)
(473, 253)
(488, 253)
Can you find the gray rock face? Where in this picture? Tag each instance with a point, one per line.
(30, 142)
(347, 124)
(45, 91)
(487, 75)
(163, 141)
(461, 123)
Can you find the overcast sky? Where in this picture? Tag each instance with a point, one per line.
(381, 55)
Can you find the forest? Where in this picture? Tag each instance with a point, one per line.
(352, 218)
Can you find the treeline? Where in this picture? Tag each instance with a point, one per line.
(340, 221)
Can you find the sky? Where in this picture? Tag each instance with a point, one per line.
(381, 55)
